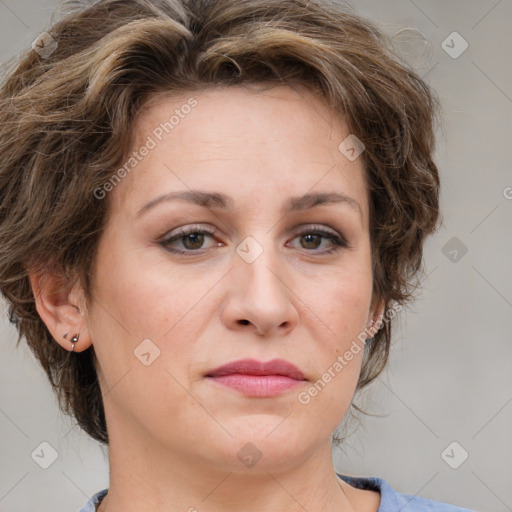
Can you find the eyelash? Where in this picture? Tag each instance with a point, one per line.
(338, 242)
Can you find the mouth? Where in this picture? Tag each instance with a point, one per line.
(258, 378)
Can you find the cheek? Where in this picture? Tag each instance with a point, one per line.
(342, 303)
(144, 299)
(137, 301)
(346, 298)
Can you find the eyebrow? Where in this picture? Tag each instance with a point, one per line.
(224, 202)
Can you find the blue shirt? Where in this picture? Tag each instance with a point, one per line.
(390, 500)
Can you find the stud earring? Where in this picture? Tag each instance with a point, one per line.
(74, 339)
(371, 327)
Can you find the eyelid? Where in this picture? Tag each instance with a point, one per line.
(319, 227)
(187, 228)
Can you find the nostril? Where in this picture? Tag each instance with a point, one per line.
(244, 322)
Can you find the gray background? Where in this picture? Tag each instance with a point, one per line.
(449, 378)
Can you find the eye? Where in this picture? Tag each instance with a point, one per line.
(192, 239)
(311, 238)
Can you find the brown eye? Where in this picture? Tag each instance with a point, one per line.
(193, 240)
(189, 240)
(311, 240)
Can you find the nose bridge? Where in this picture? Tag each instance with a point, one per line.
(258, 262)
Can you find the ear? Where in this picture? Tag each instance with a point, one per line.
(375, 317)
(60, 304)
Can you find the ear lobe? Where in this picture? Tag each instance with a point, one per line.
(379, 311)
(56, 300)
(375, 318)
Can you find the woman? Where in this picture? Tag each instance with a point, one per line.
(211, 213)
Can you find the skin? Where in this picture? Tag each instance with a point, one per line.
(174, 435)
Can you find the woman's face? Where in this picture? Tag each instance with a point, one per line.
(257, 277)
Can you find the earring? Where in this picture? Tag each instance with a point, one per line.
(74, 339)
(370, 328)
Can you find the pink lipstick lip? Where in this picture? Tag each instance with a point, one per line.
(263, 379)
(274, 367)
(261, 386)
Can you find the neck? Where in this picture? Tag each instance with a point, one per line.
(143, 480)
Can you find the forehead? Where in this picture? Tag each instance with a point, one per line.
(240, 140)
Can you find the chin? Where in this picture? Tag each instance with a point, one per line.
(269, 446)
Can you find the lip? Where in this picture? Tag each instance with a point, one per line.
(258, 378)
(254, 367)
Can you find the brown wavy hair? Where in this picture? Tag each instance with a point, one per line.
(66, 124)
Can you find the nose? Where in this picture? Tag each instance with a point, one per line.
(259, 297)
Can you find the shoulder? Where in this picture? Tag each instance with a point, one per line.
(393, 501)
(390, 500)
(410, 503)
(91, 505)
